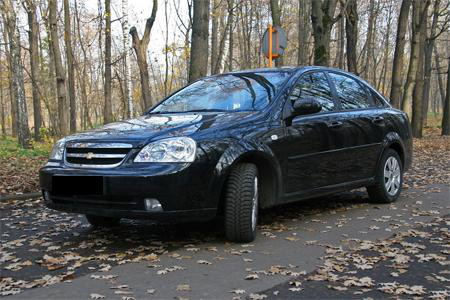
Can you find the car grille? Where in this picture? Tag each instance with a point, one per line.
(96, 155)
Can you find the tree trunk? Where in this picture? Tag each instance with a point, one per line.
(198, 66)
(397, 66)
(63, 113)
(13, 103)
(2, 108)
(166, 50)
(303, 32)
(340, 43)
(23, 131)
(420, 9)
(107, 112)
(428, 52)
(417, 105)
(276, 21)
(126, 60)
(446, 116)
(351, 31)
(438, 74)
(230, 34)
(322, 19)
(368, 49)
(33, 31)
(214, 36)
(140, 47)
(70, 67)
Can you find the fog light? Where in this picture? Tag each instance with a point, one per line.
(152, 204)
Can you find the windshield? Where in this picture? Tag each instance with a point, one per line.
(229, 92)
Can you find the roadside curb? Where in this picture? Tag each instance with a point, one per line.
(20, 196)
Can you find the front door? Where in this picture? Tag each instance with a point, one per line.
(309, 146)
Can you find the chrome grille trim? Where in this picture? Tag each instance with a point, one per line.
(96, 147)
(95, 155)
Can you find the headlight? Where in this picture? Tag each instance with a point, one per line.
(179, 149)
(57, 150)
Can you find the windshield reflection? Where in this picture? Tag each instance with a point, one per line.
(229, 92)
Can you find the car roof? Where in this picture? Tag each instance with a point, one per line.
(288, 68)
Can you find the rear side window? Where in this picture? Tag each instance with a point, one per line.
(351, 94)
(314, 85)
(379, 102)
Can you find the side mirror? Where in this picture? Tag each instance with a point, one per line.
(306, 106)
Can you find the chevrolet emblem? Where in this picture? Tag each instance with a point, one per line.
(89, 155)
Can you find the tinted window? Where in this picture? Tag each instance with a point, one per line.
(231, 92)
(379, 102)
(351, 94)
(314, 85)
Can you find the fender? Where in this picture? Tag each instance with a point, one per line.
(259, 154)
(393, 140)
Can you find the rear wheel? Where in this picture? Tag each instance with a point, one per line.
(389, 179)
(100, 221)
(241, 203)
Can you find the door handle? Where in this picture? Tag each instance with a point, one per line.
(335, 124)
(378, 119)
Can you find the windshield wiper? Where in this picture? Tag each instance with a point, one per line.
(207, 110)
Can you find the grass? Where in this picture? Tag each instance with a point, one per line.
(10, 148)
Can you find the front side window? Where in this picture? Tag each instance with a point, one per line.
(229, 92)
(314, 85)
(351, 94)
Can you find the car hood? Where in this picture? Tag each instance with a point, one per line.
(154, 126)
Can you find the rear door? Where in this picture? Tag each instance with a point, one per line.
(361, 133)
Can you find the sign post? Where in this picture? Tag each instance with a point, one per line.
(273, 43)
(270, 46)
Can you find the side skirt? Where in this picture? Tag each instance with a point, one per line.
(326, 190)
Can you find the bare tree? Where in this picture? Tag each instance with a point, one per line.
(198, 66)
(23, 130)
(107, 112)
(419, 16)
(322, 19)
(214, 35)
(12, 101)
(70, 66)
(397, 66)
(33, 31)
(446, 116)
(126, 59)
(417, 95)
(351, 32)
(140, 47)
(304, 28)
(63, 115)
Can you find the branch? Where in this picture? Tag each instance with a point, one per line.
(149, 23)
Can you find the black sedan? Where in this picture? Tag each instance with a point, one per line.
(232, 144)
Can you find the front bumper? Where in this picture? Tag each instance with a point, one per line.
(185, 191)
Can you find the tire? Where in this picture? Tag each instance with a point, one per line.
(382, 191)
(241, 203)
(100, 221)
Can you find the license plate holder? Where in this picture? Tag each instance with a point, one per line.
(77, 185)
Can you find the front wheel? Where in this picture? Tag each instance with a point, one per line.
(389, 179)
(100, 221)
(241, 203)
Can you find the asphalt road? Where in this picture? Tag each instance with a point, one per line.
(146, 260)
